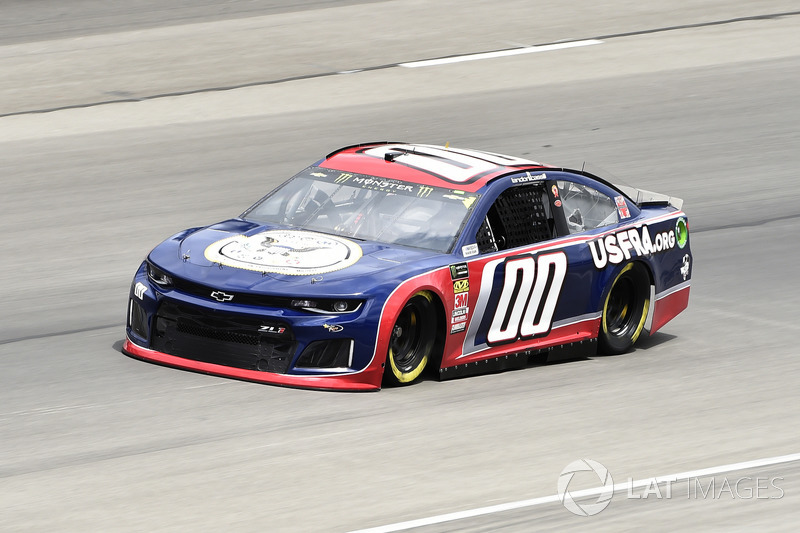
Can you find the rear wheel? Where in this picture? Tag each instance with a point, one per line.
(625, 310)
(412, 340)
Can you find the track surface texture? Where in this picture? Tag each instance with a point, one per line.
(120, 125)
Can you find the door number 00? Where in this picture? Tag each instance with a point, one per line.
(527, 302)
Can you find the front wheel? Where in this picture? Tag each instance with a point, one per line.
(412, 340)
(625, 310)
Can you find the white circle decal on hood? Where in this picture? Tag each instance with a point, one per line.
(295, 253)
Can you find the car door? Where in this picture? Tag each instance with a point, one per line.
(519, 281)
(538, 283)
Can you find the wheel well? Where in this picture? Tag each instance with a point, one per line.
(635, 263)
(648, 270)
(607, 288)
(651, 307)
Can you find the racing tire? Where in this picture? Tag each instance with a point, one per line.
(625, 310)
(412, 340)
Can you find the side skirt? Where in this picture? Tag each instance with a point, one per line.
(515, 361)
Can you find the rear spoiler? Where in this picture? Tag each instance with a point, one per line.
(648, 198)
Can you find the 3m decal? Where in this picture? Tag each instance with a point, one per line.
(139, 290)
(459, 271)
(681, 232)
(531, 287)
(623, 245)
(462, 300)
(461, 285)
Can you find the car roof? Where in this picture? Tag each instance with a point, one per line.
(425, 164)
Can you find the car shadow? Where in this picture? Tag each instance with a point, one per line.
(655, 339)
(643, 344)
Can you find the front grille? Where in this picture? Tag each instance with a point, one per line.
(191, 328)
(226, 339)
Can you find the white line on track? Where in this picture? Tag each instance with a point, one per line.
(501, 53)
(628, 485)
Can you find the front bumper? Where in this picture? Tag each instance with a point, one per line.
(254, 343)
(366, 380)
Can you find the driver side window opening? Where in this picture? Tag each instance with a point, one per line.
(585, 208)
(520, 216)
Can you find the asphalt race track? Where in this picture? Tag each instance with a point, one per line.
(121, 125)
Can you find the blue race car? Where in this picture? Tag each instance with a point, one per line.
(385, 259)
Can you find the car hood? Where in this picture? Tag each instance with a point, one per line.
(241, 255)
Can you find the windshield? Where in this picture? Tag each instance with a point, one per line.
(367, 207)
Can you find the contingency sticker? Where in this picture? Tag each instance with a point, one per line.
(469, 250)
(459, 271)
(295, 253)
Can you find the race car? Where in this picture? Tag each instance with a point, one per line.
(384, 262)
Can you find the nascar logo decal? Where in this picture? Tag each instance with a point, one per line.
(295, 253)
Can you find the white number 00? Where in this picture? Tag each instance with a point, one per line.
(527, 312)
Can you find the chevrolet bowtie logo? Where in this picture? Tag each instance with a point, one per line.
(222, 296)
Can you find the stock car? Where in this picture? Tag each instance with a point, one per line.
(385, 259)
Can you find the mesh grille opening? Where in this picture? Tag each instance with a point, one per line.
(326, 354)
(138, 320)
(226, 339)
(220, 335)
